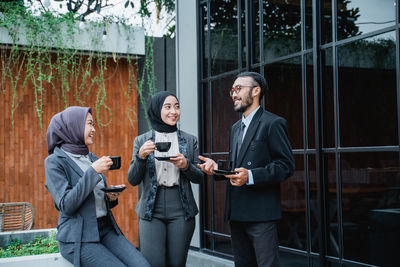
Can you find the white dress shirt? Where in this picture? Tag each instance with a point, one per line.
(167, 173)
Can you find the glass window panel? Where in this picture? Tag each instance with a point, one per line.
(243, 32)
(328, 100)
(331, 205)
(224, 36)
(282, 28)
(256, 31)
(215, 211)
(309, 24)
(204, 33)
(367, 92)
(223, 115)
(292, 228)
(371, 205)
(291, 259)
(347, 18)
(206, 117)
(314, 202)
(218, 244)
(285, 96)
(363, 16)
(326, 27)
(310, 100)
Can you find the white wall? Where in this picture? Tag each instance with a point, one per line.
(187, 79)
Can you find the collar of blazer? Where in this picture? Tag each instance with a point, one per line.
(247, 138)
(60, 153)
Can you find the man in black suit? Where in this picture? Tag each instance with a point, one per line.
(262, 158)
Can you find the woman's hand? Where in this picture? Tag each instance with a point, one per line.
(146, 149)
(102, 164)
(112, 196)
(179, 161)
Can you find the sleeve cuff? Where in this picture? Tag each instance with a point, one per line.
(139, 158)
(251, 180)
(188, 166)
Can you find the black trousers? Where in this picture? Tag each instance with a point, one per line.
(255, 244)
(165, 240)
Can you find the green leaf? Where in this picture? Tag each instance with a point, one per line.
(98, 8)
(126, 4)
(132, 5)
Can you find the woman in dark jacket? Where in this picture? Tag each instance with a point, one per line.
(166, 208)
(87, 232)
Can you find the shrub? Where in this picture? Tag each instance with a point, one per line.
(40, 245)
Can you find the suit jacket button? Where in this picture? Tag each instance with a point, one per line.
(249, 163)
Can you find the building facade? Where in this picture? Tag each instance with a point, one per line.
(333, 71)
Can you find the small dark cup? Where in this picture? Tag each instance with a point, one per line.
(225, 165)
(163, 146)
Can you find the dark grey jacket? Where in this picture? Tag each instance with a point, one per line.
(143, 170)
(72, 191)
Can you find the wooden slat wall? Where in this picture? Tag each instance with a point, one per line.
(23, 147)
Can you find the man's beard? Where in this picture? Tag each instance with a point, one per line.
(246, 102)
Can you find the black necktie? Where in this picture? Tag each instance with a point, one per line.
(240, 138)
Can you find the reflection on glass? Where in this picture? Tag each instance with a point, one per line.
(371, 207)
(224, 37)
(204, 32)
(282, 28)
(326, 26)
(309, 24)
(314, 213)
(223, 115)
(363, 16)
(310, 100)
(347, 18)
(218, 244)
(292, 227)
(331, 206)
(243, 50)
(289, 259)
(367, 92)
(328, 97)
(206, 117)
(214, 212)
(285, 96)
(256, 32)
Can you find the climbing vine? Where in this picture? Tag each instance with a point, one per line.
(47, 60)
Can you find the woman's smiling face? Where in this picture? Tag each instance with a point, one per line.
(89, 130)
(170, 111)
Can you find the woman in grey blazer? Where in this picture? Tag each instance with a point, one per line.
(166, 206)
(87, 232)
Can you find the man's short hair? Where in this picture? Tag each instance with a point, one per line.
(258, 78)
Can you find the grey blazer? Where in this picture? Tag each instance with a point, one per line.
(72, 191)
(143, 171)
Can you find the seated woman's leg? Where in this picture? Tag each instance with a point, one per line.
(92, 255)
(152, 235)
(123, 249)
(179, 235)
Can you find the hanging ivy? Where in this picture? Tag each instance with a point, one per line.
(63, 69)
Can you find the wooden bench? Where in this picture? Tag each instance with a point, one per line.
(16, 216)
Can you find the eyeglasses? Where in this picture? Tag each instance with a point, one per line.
(236, 89)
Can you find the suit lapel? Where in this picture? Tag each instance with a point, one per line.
(235, 133)
(58, 151)
(249, 136)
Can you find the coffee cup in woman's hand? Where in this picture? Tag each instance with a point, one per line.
(163, 146)
(102, 164)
